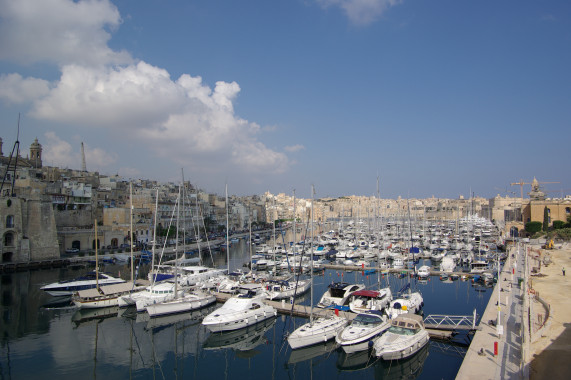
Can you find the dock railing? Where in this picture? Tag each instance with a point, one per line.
(451, 322)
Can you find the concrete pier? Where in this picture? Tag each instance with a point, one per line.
(496, 352)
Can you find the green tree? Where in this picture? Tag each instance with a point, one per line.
(545, 219)
(533, 227)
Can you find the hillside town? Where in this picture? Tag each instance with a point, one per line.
(49, 211)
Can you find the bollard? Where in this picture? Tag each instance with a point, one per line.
(495, 348)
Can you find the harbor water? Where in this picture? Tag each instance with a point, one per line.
(44, 337)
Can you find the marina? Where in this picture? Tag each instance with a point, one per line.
(180, 342)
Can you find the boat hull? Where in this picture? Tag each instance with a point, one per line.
(239, 320)
(180, 305)
(318, 331)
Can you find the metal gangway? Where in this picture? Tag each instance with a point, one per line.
(451, 322)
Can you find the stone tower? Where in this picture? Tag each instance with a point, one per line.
(36, 154)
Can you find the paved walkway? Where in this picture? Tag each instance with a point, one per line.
(480, 361)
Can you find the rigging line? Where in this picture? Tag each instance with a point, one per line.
(300, 266)
(166, 239)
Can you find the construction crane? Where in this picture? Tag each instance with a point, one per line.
(521, 183)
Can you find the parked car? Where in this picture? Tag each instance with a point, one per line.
(72, 250)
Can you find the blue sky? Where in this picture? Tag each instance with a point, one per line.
(436, 98)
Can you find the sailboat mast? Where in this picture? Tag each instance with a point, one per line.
(250, 243)
(131, 228)
(311, 250)
(227, 234)
(96, 258)
(176, 261)
(294, 227)
(155, 230)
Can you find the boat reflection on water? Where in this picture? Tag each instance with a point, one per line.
(310, 352)
(99, 314)
(63, 302)
(408, 369)
(357, 360)
(244, 339)
(169, 320)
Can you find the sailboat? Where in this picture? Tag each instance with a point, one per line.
(100, 296)
(321, 329)
(183, 301)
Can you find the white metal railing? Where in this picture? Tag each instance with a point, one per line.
(452, 322)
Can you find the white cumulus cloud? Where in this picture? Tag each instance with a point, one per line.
(361, 12)
(182, 120)
(58, 152)
(15, 89)
(58, 31)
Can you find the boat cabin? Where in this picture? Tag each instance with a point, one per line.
(407, 324)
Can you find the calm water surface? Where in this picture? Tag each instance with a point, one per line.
(45, 340)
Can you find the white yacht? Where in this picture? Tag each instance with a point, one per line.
(423, 271)
(366, 326)
(238, 312)
(406, 303)
(316, 331)
(277, 290)
(181, 304)
(363, 301)
(405, 337)
(152, 294)
(87, 281)
(447, 264)
(338, 294)
(192, 275)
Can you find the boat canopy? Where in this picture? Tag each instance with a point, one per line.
(366, 293)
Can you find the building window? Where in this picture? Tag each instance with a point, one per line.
(9, 239)
(10, 221)
(567, 210)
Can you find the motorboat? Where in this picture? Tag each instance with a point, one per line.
(404, 338)
(366, 300)
(316, 331)
(405, 303)
(192, 275)
(180, 304)
(277, 290)
(152, 294)
(423, 271)
(338, 294)
(447, 264)
(238, 312)
(88, 281)
(366, 326)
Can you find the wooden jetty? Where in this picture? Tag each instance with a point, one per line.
(284, 307)
(356, 268)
